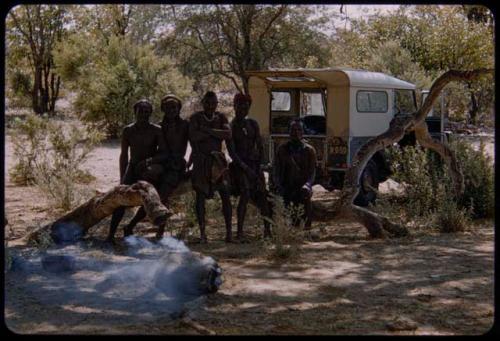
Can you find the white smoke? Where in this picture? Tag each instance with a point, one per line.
(149, 280)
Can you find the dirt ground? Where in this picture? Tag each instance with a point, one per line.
(342, 282)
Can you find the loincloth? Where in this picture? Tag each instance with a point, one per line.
(209, 173)
(241, 182)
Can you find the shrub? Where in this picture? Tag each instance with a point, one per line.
(286, 238)
(427, 198)
(477, 169)
(50, 156)
(19, 90)
(449, 217)
(186, 204)
(420, 173)
(27, 139)
(427, 189)
(111, 78)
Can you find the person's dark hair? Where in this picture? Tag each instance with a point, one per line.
(208, 94)
(144, 103)
(168, 98)
(239, 97)
(296, 121)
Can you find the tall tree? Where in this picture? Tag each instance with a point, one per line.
(105, 61)
(437, 38)
(227, 40)
(36, 29)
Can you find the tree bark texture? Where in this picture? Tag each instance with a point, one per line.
(377, 225)
(102, 205)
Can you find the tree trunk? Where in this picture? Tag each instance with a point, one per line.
(102, 205)
(244, 80)
(36, 88)
(45, 89)
(54, 92)
(474, 108)
(377, 225)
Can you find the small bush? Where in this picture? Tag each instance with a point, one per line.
(286, 238)
(477, 168)
(427, 199)
(19, 90)
(50, 157)
(110, 78)
(451, 218)
(186, 204)
(420, 173)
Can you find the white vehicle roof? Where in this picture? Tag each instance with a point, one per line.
(374, 79)
(357, 78)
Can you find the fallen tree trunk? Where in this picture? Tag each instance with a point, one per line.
(377, 225)
(77, 222)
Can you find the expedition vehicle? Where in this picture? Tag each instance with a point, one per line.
(341, 109)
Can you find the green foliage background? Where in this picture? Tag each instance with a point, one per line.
(113, 55)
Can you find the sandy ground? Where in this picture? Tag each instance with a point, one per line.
(341, 283)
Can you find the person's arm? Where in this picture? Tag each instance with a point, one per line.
(259, 142)
(277, 171)
(311, 171)
(231, 148)
(124, 153)
(224, 133)
(195, 132)
(162, 152)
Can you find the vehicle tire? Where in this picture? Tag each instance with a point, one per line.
(369, 178)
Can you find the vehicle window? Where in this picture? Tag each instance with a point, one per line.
(404, 102)
(311, 103)
(281, 101)
(371, 101)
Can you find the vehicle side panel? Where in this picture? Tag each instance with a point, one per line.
(364, 124)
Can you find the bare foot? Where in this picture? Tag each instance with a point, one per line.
(241, 238)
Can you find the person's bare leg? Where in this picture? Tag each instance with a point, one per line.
(115, 221)
(200, 215)
(241, 211)
(227, 212)
(138, 217)
(265, 210)
(307, 213)
(166, 190)
(161, 231)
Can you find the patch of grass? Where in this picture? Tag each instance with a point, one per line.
(286, 238)
(451, 218)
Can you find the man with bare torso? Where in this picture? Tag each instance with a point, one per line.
(295, 169)
(175, 132)
(207, 130)
(247, 152)
(143, 139)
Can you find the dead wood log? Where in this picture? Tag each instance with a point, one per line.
(82, 218)
(377, 225)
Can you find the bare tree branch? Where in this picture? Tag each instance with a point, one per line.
(273, 19)
(398, 127)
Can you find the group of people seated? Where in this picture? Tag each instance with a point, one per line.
(157, 155)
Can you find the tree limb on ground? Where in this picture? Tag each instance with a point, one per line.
(102, 205)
